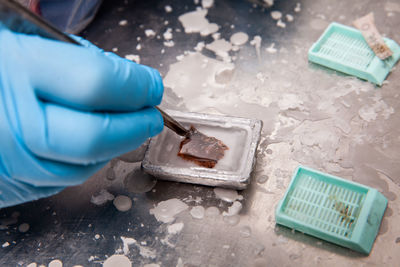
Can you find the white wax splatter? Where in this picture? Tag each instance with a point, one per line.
(269, 2)
(211, 28)
(33, 264)
(123, 22)
(5, 244)
(135, 58)
(102, 197)
(290, 101)
(281, 24)
(216, 35)
(207, 3)
(149, 33)
(151, 265)
(227, 195)
(276, 15)
(199, 47)
(271, 49)
(289, 17)
(138, 47)
(143, 251)
(168, 9)
(115, 49)
(175, 228)
(257, 44)
(367, 113)
(96, 236)
(232, 220)
(166, 211)
(184, 73)
(122, 203)
(168, 34)
(212, 211)
(55, 263)
(239, 38)
(245, 231)
(234, 209)
(117, 260)
(23, 228)
(220, 47)
(180, 263)
(297, 8)
(195, 21)
(197, 212)
(147, 252)
(126, 242)
(169, 43)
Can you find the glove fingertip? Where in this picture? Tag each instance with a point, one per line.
(158, 89)
(156, 123)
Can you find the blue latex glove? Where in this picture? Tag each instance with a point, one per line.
(65, 111)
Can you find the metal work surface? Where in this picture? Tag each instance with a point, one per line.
(311, 116)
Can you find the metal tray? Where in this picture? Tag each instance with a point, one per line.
(241, 135)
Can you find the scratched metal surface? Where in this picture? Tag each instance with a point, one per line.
(338, 124)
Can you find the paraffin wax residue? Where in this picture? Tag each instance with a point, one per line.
(175, 228)
(166, 211)
(232, 220)
(239, 38)
(23, 228)
(123, 22)
(168, 8)
(197, 212)
(234, 209)
(205, 151)
(207, 3)
(135, 58)
(276, 15)
(127, 241)
(245, 231)
(196, 21)
(227, 195)
(102, 197)
(117, 260)
(212, 211)
(55, 263)
(143, 250)
(220, 47)
(138, 181)
(122, 203)
(149, 33)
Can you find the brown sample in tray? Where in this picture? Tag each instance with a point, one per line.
(203, 150)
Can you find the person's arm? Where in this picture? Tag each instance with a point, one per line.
(65, 111)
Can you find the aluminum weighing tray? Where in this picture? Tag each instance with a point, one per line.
(241, 135)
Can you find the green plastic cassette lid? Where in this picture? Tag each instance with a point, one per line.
(344, 49)
(333, 209)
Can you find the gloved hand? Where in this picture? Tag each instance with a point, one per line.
(65, 111)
